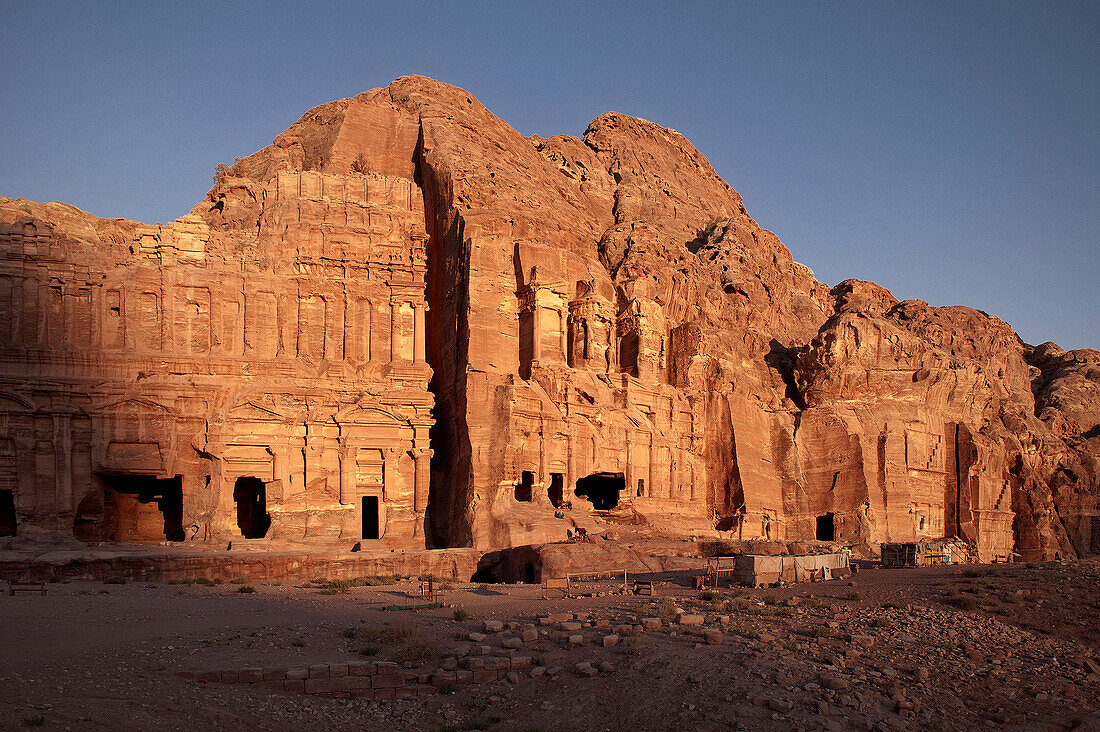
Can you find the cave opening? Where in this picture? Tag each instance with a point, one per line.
(826, 527)
(529, 574)
(250, 495)
(556, 491)
(7, 513)
(523, 487)
(142, 508)
(601, 489)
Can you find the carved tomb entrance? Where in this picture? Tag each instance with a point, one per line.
(250, 495)
(142, 508)
(826, 527)
(371, 523)
(556, 492)
(7, 513)
(601, 489)
(523, 487)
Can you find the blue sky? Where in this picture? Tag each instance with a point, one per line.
(946, 150)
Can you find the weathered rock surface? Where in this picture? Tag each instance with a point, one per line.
(593, 318)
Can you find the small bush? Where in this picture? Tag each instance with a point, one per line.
(810, 602)
(633, 646)
(350, 633)
(238, 581)
(710, 595)
(298, 643)
(963, 603)
(370, 649)
(461, 614)
(36, 721)
(854, 596)
(973, 573)
(770, 599)
(114, 581)
(821, 631)
(246, 589)
(666, 607)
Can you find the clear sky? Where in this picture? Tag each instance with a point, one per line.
(946, 150)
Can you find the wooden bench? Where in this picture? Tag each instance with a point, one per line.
(26, 586)
(645, 588)
(557, 583)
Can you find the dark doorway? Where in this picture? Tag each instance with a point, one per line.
(370, 517)
(826, 528)
(253, 519)
(641, 487)
(529, 574)
(142, 508)
(7, 513)
(556, 493)
(523, 487)
(602, 489)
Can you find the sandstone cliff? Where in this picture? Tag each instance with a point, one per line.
(604, 323)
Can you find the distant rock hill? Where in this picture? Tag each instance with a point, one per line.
(403, 322)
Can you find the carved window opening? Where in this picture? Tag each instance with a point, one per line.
(139, 508)
(601, 489)
(523, 487)
(556, 491)
(371, 527)
(641, 487)
(826, 527)
(250, 495)
(7, 513)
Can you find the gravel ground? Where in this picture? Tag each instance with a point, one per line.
(938, 648)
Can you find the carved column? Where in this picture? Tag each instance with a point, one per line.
(422, 475)
(347, 476)
(395, 331)
(651, 488)
(536, 328)
(368, 307)
(563, 332)
(418, 332)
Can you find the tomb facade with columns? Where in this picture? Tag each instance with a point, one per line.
(177, 382)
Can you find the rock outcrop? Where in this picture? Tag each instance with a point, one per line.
(403, 322)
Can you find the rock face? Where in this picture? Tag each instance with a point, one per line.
(597, 322)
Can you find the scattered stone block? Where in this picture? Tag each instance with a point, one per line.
(493, 626)
(689, 619)
(610, 640)
(250, 675)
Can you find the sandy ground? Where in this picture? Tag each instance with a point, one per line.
(939, 648)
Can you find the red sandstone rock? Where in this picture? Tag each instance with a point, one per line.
(403, 279)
